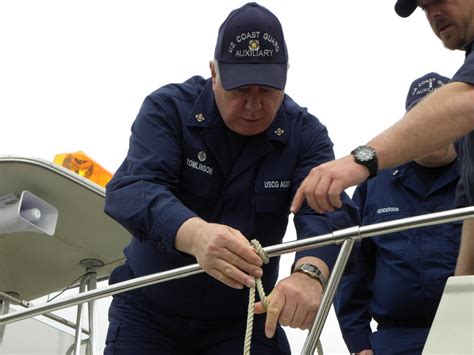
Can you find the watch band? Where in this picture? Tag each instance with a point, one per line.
(312, 271)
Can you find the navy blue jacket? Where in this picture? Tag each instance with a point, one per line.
(180, 165)
(397, 279)
(465, 145)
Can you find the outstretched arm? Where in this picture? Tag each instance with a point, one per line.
(441, 118)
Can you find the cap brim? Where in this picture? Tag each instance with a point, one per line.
(233, 76)
(412, 104)
(405, 8)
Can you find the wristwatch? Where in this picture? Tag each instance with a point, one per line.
(366, 156)
(312, 271)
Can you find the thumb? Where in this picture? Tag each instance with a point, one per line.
(258, 308)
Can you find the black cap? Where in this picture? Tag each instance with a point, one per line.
(251, 49)
(405, 8)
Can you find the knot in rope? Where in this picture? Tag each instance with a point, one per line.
(261, 292)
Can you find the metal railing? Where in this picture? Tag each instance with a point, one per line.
(25, 304)
(346, 237)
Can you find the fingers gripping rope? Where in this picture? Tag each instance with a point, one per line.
(261, 293)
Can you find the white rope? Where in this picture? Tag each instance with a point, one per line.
(319, 347)
(261, 292)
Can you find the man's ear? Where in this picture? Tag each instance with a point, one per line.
(212, 67)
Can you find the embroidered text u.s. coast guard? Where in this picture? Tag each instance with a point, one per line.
(253, 50)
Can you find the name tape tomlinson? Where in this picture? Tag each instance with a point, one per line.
(199, 166)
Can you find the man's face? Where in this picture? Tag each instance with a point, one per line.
(451, 20)
(248, 110)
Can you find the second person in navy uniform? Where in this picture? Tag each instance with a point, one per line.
(398, 279)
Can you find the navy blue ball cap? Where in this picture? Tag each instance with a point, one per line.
(251, 49)
(405, 8)
(421, 87)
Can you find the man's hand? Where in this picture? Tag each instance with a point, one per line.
(293, 302)
(223, 252)
(323, 186)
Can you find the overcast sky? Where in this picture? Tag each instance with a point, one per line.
(73, 74)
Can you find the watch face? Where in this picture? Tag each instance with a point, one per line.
(364, 153)
(310, 268)
(313, 272)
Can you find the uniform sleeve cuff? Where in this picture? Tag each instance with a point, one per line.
(167, 224)
(358, 341)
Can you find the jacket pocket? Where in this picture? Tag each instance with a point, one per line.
(275, 202)
(112, 332)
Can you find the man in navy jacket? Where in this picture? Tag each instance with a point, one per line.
(398, 279)
(213, 163)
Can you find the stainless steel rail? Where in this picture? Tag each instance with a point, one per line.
(52, 316)
(338, 237)
(311, 342)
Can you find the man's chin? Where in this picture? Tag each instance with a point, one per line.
(452, 45)
(452, 42)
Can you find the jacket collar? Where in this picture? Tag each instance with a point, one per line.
(407, 177)
(468, 48)
(205, 116)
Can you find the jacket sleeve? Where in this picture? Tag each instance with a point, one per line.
(352, 299)
(316, 149)
(141, 195)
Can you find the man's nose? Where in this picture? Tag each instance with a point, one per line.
(253, 100)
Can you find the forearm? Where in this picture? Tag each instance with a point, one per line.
(441, 118)
(465, 263)
(184, 240)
